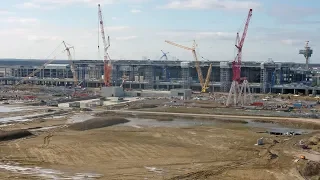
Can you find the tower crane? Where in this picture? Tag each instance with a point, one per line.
(235, 90)
(204, 84)
(74, 74)
(164, 55)
(38, 69)
(165, 72)
(107, 68)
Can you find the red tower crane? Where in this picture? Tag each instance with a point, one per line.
(240, 94)
(236, 64)
(107, 68)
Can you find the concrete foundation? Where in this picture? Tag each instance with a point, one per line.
(112, 91)
(181, 93)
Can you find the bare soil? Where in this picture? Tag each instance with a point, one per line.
(210, 152)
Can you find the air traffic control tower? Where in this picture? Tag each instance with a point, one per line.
(307, 52)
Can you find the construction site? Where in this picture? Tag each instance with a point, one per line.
(159, 119)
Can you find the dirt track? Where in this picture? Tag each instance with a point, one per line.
(224, 152)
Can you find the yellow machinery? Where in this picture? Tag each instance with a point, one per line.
(204, 84)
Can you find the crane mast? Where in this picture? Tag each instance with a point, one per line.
(74, 74)
(106, 58)
(239, 94)
(236, 64)
(204, 85)
(193, 50)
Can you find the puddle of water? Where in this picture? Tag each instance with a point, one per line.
(55, 117)
(153, 169)
(274, 127)
(79, 118)
(10, 109)
(138, 122)
(47, 173)
(19, 118)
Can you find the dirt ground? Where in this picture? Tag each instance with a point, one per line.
(224, 151)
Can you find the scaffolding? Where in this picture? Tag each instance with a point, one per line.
(149, 77)
(263, 79)
(165, 74)
(185, 74)
(225, 77)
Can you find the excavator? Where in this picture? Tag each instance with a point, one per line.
(204, 84)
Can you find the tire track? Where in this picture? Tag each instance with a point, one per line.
(135, 152)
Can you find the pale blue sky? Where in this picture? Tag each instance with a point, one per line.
(137, 28)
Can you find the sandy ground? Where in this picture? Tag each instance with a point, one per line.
(226, 151)
(223, 151)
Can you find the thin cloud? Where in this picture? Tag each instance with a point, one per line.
(198, 35)
(4, 12)
(135, 11)
(19, 20)
(292, 42)
(55, 3)
(211, 4)
(43, 38)
(116, 28)
(28, 5)
(125, 38)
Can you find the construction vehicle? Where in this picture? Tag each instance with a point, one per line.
(204, 84)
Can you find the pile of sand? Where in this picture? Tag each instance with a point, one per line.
(15, 134)
(314, 140)
(310, 168)
(97, 123)
(268, 155)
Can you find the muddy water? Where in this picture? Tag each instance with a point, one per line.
(138, 123)
(79, 118)
(10, 109)
(274, 127)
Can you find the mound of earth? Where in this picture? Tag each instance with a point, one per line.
(15, 134)
(97, 123)
(310, 169)
(268, 155)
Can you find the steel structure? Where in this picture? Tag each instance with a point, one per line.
(73, 70)
(106, 58)
(204, 85)
(307, 52)
(164, 55)
(239, 94)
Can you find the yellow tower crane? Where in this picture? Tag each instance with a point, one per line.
(204, 84)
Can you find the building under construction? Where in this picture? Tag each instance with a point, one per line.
(264, 77)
